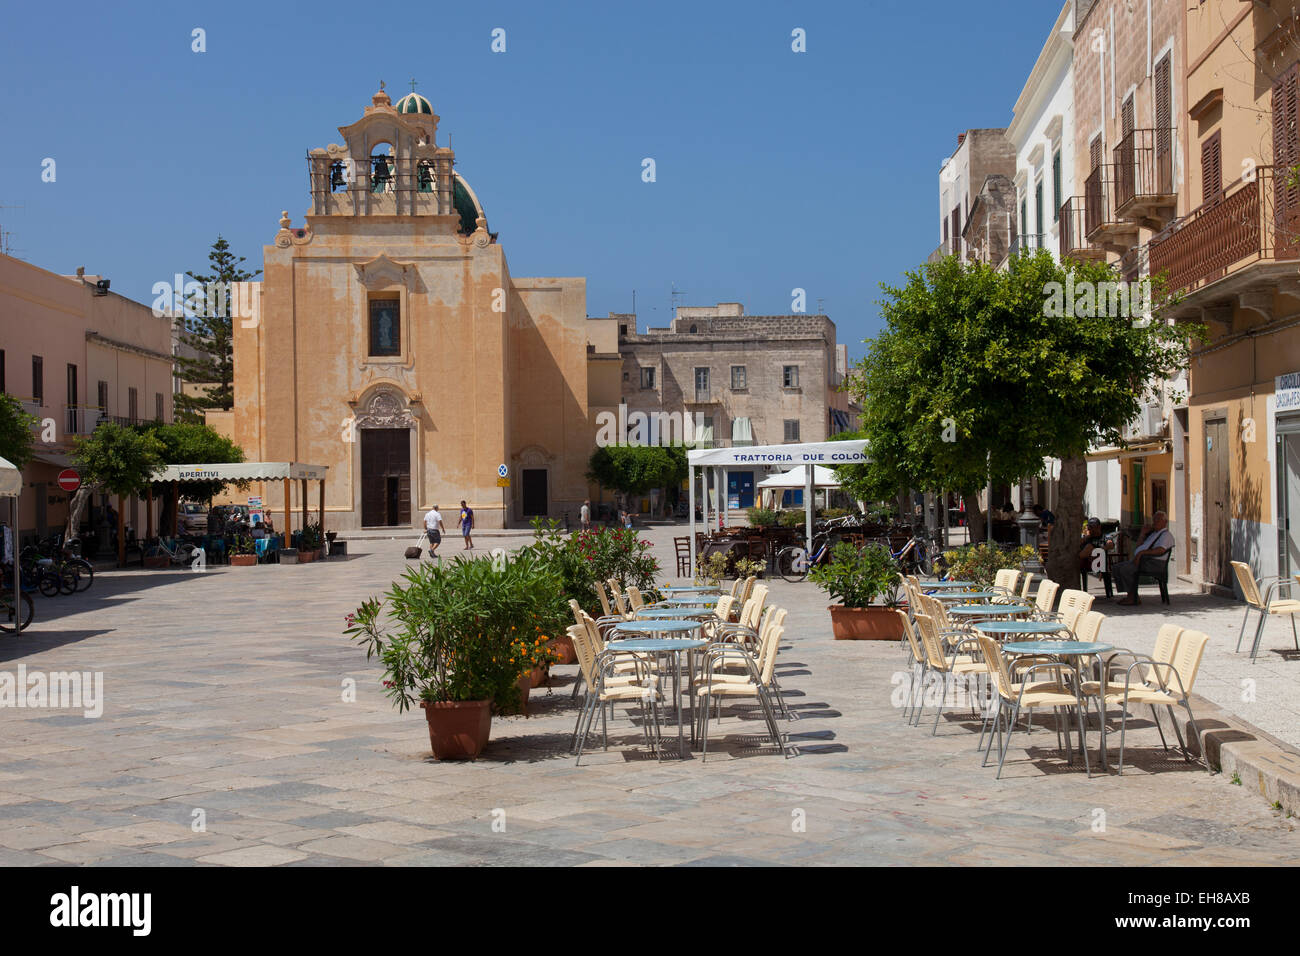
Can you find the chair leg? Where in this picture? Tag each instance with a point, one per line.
(995, 727)
(1179, 733)
(1294, 637)
(1006, 745)
(1242, 633)
(1259, 634)
(1200, 743)
(943, 694)
(1155, 716)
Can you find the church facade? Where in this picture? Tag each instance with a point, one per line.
(391, 343)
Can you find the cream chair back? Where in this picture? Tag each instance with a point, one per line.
(1046, 595)
(1249, 586)
(1074, 604)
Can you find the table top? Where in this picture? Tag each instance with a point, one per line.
(1057, 648)
(695, 590)
(649, 646)
(669, 613)
(684, 602)
(967, 596)
(939, 585)
(986, 609)
(654, 627)
(1021, 627)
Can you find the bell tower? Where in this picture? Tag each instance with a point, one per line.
(389, 164)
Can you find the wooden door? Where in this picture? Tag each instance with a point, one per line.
(1218, 504)
(385, 476)
(534, 491)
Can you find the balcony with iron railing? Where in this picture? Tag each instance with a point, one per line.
(1245, 239)
(1028, 244)
(1102, 224)
(81, 419)
(1144, 189)
(1073, 233)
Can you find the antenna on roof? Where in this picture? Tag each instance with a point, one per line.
(5, 246)
(676, 293)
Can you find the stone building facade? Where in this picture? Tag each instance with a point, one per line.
(748, 379)
(393, 344)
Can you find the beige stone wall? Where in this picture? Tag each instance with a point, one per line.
(108, 338)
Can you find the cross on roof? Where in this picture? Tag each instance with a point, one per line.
(412, 84)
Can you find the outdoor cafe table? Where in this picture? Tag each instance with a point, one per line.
(945, 585)
(685, 602)
(971, 611)
(673, 646)
(694, 590)
(671, 613)
(967, 596)
(1021, 627)
(1073, 650)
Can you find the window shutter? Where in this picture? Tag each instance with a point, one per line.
(1164, 129)
(1212, 168)
(1126, 117)
(1094, 154)
(1286, 155)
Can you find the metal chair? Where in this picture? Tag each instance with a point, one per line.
(1263, 606)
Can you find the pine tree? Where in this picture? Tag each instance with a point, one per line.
(205, 325)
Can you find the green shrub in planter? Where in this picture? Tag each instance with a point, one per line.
(981, 562)
(761, 517)
(462, 630)
(856, 578)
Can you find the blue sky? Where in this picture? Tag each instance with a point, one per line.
(775, 169)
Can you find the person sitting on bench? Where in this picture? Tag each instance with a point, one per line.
(1149, 558)
(1092, 540)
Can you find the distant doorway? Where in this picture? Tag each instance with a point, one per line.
(534, 492)
(385, 476)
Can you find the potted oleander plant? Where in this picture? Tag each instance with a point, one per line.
(460, 639)
(310, 542)
(243, 553)
(856, 578)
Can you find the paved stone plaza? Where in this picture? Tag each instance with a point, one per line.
(224, 694)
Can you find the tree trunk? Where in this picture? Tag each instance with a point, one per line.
(1063, 541)
(121, 531)
(974, 519)
(75, 511)
(904, 502)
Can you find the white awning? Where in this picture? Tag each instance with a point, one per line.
(798, 478)
(1140, 450)
(827, 453)
(242, 471)
(11, 479)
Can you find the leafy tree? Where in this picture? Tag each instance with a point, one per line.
(631, 470)
(118, 460)
(977, 378)
(15, 431)
(205, 325)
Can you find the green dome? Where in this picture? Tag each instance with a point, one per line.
(467, 207)
(413, 103)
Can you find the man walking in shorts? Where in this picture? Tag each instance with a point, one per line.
(584, 516)
(466, 525)
(433, 527)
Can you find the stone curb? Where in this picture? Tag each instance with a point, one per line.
(1260, 760)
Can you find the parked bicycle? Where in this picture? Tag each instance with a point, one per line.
(68, 553)
(26, 607)
(52, 577)
(794, 562)
(917, 555)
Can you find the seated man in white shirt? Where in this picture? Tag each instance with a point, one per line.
(1149, 558)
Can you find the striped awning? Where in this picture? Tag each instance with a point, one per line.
(242, 471)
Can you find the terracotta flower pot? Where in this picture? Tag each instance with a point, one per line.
(538, 677)
(865, 623)
(563, 648)
(306, 557)
(458, 730)
(243, 560)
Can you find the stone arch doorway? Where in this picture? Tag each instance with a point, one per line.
(385, 427)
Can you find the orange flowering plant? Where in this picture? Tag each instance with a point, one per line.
(463, 630)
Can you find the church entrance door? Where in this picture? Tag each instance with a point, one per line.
(534, 496)
(385, 476)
